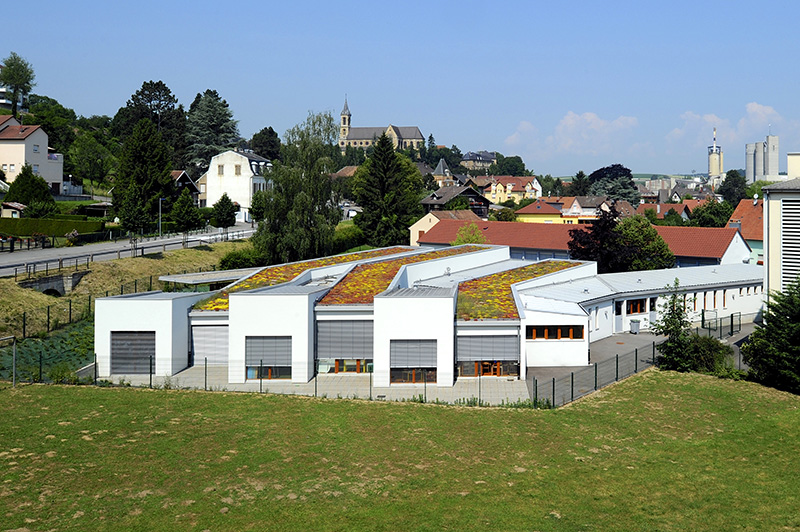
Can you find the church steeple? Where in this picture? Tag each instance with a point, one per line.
(344, 126)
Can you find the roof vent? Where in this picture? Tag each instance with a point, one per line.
(639, 280)
(585, 290)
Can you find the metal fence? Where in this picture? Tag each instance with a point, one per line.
(558, 391)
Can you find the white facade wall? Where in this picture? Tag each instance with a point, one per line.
(167, 317)
(738, 251)
(31, 150)
(272, 314)
(414, 318)
(495, 328)
(238, 187)
(548, 353)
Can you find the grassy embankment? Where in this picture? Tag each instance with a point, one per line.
(108, 275)
(659, 451)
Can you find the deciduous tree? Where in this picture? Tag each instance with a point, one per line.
(602, 243)
(645, 247)
(734, 188)
(616, 182)
(674, 324)
(711, 213)
(56, 120)
(17, 74)
(469, 234)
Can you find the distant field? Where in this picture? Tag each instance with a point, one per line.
(659, 451)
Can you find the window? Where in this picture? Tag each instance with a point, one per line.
(5, 168)
(636, 306)
(35, 168)
(220, 169)
(554, 332)
(203, 188)
(715, 299)
(705, 300)
(654, 303)
(694, 302)
(35, 148)
(237, 170)
(11, 167)
(724, 298)
(617, 308)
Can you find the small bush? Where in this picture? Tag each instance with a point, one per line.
(62, 374)
(245, 258)
(347, 238)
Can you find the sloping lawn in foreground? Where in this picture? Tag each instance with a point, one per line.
(659, 451)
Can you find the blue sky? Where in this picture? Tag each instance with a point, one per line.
(566, 85)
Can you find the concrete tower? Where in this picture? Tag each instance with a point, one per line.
(750, 162)
(715, 158)
(771, 157)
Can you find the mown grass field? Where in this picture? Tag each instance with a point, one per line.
(659, 451)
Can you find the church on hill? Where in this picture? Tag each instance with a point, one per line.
(363, 137)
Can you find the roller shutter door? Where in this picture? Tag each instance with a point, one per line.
(493, 348)
(344, 339)
(210, 341)
(412, 353)
(131, 352)
(268, 350)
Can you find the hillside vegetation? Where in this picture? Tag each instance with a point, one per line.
(659, 451)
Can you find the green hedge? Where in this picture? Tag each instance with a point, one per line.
(50, 227)
(79, 217)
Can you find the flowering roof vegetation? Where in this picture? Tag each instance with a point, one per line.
(490, 297)
(365, 281)
(286, 272)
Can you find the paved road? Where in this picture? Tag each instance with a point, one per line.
(22, 260)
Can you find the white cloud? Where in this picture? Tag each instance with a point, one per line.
(588, 134)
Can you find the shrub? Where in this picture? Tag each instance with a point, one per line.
(347, 238)
(244, 258)
(707, 355)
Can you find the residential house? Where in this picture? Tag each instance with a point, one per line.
(500, 189)
(237, 173)
(661, 209)
(584, 209)
(21, 145)
(424, 316)
(345, 171)
(481, 160)
(540, 212)
(182, 180)
(692, 246)
(402, 137)
(781, 234)
(443, 176)
(748, 218)
(424, 224)
(703, 246)
(437, 201)
(11, 209)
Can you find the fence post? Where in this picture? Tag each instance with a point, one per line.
(14, 363)
(571, 385)
(135, 286)
(595, 376)
(260, 374)
(205, 374)
(95, 369)
(151, 371)
(151, 283)
(40, 367)
(48, 318)
(70, 311)
(654, 353)
(370, 386)
(89, 308)
(636, 360)
(617, 359)
(121, 289)
(24, 324)
(554, 392)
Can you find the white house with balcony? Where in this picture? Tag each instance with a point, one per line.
(237, 173)
(21, 145)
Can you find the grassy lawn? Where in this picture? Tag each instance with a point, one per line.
(659, 451)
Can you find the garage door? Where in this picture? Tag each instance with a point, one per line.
(268, 350)
(478, 348)
(131, 352)
(210, 341)
(344, 339)
(412, 353)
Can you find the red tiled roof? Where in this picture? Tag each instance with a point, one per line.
(692, 204)
(750, 214)
(512, 234)
(539, 207)
(5, 118)
(518, 181)
(17, 132)
(660, 208)
(465, 214)
(711, 242)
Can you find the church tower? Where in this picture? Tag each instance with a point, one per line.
(344, 126)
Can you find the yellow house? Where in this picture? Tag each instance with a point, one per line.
(506, 187)
(540, 212)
